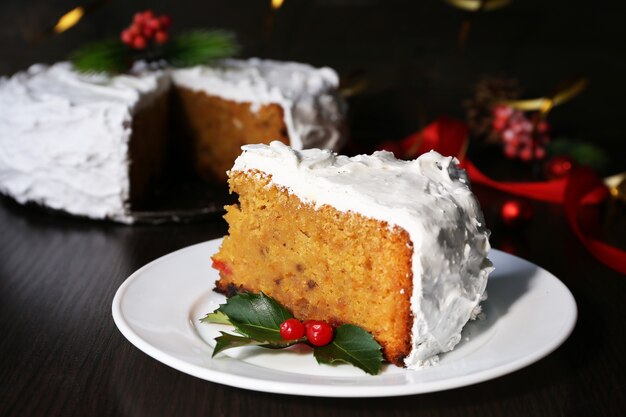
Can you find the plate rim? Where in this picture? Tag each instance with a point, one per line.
(322, 390)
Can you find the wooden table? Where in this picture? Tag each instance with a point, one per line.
(61, 354)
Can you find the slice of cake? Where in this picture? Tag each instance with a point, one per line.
(237, 102)
(97, 145)
(396, 247)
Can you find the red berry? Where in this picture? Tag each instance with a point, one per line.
(147, 15)
(134, 29)
(510, 151)
(126, 36)
(148, 31)
(559, 167)
(166, 21)
(501, 116)
(161, 37)
(319, 333)
(540, 152)
(543, 127)
(292, 329)
(140, 42)
(138, 18)
(154, 23)
(526, 154)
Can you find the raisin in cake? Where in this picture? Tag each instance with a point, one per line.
(396, 247)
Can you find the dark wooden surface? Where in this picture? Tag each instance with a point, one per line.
(61, 354)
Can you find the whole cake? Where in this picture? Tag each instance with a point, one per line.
(95, 144)
(396, 247)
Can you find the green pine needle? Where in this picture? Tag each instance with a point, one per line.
(109, 56)
(199, 47)
(188, 49)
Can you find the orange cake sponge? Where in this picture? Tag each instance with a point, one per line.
(397, 248)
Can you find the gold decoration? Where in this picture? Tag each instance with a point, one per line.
(353, 84)
(617, 186)
(477, 5)
(473, 7)
(276, 4)
(69, 19)
(563, 93)
(270, 19)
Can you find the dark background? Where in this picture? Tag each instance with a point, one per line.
(407, 51)
(60, 352)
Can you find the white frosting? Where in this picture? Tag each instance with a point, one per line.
(429, 197)
(312, 112)
(64, 135)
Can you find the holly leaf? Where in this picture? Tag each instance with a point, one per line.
(217, 317)
(257, 319)
(256, 316)
(352, 345)
(228, 341)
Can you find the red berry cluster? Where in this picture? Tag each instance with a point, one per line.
(146, 26)
(318, 333)
(518, 133)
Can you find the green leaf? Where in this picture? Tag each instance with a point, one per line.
(217, 317)
(228, 341)
(257, 319)
(187, 49)
(199, 47)
(583, 153)
(108, 56)
(256, 316)
(352, 345)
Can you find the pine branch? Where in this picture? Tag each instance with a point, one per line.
(199, 47)
(188, 49)
(109, 56)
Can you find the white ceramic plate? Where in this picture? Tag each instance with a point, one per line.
(529, 314)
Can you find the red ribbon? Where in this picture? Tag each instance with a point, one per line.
(582, 184)
(582, 187)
